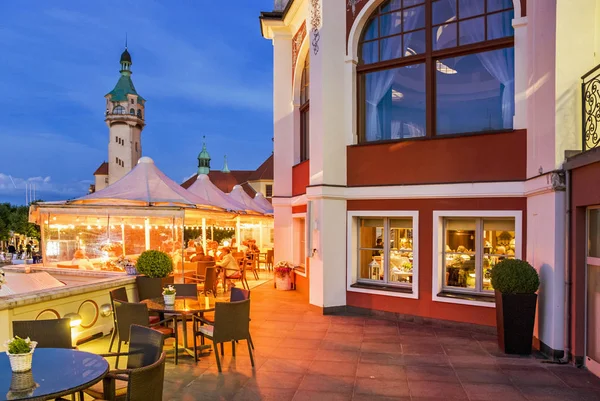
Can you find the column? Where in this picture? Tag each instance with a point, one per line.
(204, 234)
(328, 159)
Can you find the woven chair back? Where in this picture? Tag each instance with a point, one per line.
(129, 313)
(202, 266)
(232, 321)
(145, 346)
(239, 294)
(210, 281)
(54, 333)
(186, 290)
(119, 294)
(146, 383)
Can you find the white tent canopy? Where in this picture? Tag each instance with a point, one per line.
(238, 194)
(145, 185)
(261, 201)
(205, 189)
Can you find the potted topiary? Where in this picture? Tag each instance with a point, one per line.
(515, 284)
(155, 268)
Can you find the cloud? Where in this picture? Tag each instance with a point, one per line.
(16, 186)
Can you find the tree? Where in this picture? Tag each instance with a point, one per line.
(15, 219)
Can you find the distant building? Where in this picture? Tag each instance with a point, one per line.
(252, 181)
(125, 121)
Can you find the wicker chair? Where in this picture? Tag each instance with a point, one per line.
(252, 264)
(210, 283)
(186, 290)
(232, 323)
(270, 258)
(143, 379)
(55, 333)
(137, 313)
(200, 275)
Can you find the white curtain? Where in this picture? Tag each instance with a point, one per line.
(379, 124)
(499, 63)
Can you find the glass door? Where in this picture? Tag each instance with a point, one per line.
(592, 357)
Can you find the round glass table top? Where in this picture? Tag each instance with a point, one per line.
(54, 372)
(182, 305)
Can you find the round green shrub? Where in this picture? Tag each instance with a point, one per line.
(154, 264)
(515, 276)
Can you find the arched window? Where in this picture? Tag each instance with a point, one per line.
(139, 113)
(118, 110)
(436, 67)
(132, 112)
(304, 110)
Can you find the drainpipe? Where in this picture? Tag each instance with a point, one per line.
(567, 314)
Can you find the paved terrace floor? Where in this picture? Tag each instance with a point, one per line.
(302, 355)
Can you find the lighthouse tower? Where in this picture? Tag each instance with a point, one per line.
(125, 120)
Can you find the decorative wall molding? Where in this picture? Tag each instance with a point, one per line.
(315, 24)
(296, 45)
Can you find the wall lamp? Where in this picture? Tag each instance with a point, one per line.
(105, 310)
(75, 319)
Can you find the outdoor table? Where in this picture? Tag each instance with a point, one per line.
(55, 372)
(184, 306)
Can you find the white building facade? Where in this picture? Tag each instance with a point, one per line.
(420, 142)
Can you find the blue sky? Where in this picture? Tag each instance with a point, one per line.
(202, 66)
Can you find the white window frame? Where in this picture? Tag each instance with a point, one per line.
(298, 216)
(352, 252)
(437, 282)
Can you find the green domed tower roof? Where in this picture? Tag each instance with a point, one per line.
(203, 161)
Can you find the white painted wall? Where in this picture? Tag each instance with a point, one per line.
(546, 252)
(577, 51)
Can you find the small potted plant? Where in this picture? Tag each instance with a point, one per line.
(169, 295)
(127, 265)
(515, 284)
(283, 275)
(156, 267)
(20, 353)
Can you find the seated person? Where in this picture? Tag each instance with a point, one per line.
(252, 246)
(231, 269)
(82, 261)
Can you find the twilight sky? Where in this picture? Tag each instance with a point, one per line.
(202, 66)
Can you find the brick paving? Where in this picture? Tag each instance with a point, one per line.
(302, 355)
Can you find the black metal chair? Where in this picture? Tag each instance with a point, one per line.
(54, 333)
(129, 313)
(143, 378)
(232, 323)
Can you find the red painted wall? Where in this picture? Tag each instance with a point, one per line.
(300, 178)
(585, 191)
(474, 158)
(425, 306)
(299, 209)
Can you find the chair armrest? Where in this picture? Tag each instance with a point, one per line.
(114, 354)
(171, 319)
(108, 382)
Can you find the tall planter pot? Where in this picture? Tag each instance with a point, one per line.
(149, 287)
(515, 317)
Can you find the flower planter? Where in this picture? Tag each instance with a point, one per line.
(131, 270)
(283, 283)
(20, 362)
(515, 317)
(169, 299)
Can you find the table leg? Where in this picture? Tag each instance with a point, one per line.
(189, 351)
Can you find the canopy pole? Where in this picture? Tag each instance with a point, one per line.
(204, 234)
(123, 237)
(260, 236)
(212, 233)
(147, 233)
(238, 235)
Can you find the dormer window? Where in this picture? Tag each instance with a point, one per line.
(132, 112)
(139, 113)
(131, 101)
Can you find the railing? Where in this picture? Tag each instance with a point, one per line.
(590, 109)
(279, 5)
